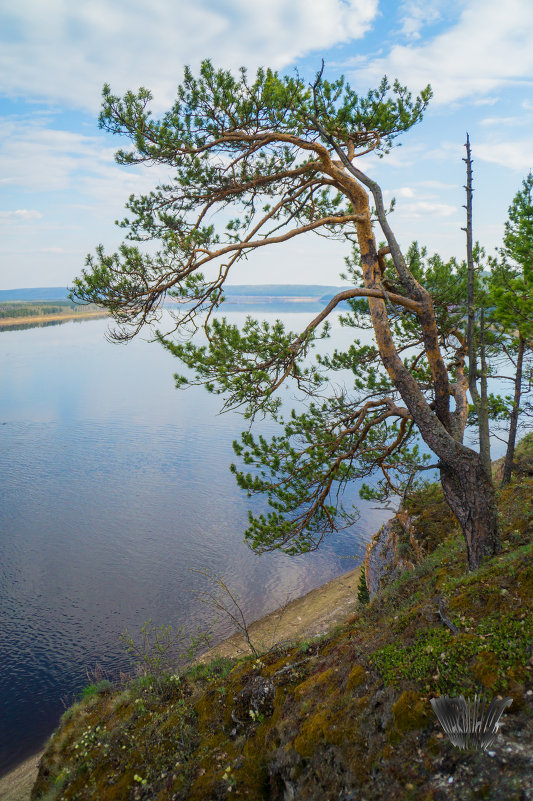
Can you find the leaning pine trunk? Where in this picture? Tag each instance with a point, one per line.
(466, 485)
(469, 493)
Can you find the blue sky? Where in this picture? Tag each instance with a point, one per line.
(60, 190)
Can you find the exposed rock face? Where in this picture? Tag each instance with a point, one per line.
(380, 558)
(256, 697)
(384, 560)
(324, 776)
(406, 539)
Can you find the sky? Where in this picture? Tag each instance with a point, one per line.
(61, 191)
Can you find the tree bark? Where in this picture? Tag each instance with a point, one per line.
(511, 442)
(469, 493)
(466, 485)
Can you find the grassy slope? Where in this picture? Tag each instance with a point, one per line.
(346, 716)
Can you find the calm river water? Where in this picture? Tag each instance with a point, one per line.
(113, 486)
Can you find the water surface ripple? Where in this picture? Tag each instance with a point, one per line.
(113, 486)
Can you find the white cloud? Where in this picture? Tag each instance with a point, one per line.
(416, 203)
(403, 191)
(20, 215)
(488, 47)
(517, 155)
(425, 209)
(37, 158)
(446, 151)
(486, 101)
(506, 121)
(64, 52)
(417, 14)
(401, 157)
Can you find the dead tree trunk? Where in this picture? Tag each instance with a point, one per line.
(479, 400)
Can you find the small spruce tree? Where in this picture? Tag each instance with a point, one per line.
(363, 596)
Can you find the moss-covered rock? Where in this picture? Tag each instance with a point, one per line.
(317, 681)
(411, 711)
(322, 727)
(356, 677)
(485, 669)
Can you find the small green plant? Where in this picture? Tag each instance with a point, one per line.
(219, 667)
(229, 778)
(156, 651)
(70, 711)
(404, 550)
(102, 687)
(445, 660)
(363, 595)
(221, 598)
(161, 650)
(257, 717)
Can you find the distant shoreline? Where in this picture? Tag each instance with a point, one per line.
(243, 303)
(6, 322)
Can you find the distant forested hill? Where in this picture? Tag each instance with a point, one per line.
(280, 290)
(261, 293)
(35, 293)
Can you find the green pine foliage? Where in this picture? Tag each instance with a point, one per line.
(267, 150)
(363, 595)
(512, 277)
(210, 126)
(251, 144)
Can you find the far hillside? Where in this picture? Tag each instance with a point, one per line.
(47, 305)
(266, 292)
(34, 293)
(317, 291)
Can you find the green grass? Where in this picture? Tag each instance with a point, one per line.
(99, 688)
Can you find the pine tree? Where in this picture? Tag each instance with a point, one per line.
(283, 156)
(512, 297)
